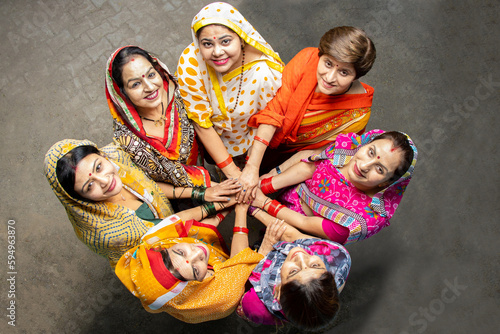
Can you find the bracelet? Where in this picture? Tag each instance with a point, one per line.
(252, 210)
(198, 195)
(220, 216)
(265, 201)
(225, 162)
(278, 170)
(240, 229)
(266, 185)
(240, 233)
(209, 208)
(274, 208)
(263, 141)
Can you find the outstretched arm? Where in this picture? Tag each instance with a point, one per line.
(249, 178)
(240, 237)
(218, 192)
(203, 211)
(296, 174)
(291, 233)
(310, 225)
(215, 147)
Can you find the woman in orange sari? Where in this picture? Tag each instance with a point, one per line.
(320, 97)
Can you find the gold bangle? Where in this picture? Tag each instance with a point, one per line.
(240, 233)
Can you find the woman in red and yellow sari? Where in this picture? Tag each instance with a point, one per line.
(320, 97)
(149, 118)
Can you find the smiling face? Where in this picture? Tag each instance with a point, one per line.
(373, 165)
(190, 260)
(334, 77)
(220, 47)
(300, 265)
(96, 178)
(142, 83)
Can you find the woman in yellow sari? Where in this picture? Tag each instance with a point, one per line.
(110, 202)
(183, 267)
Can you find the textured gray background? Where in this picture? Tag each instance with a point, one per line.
(436, 77)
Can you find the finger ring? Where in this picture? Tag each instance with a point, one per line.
(244, 190)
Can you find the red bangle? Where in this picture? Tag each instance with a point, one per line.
(240, 229)
(225, 162)
(263, 141)
(274, 208)
(266, 185)
(220, 216)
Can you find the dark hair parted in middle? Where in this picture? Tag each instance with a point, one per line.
(349, 45)
(66, 168)
(399, 140)
(168, 264)
(313, 305)
(123, 57)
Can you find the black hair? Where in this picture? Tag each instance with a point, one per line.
(66, 168)
(313, 305)
(168, 264)
(400, 141)
(123, 57)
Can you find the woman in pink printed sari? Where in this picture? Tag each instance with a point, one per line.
(349, 191)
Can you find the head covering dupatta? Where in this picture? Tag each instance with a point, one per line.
(108, 229)
(335, 257)
(383, 204)
(172, 162)
(207, 93)
(214, 298)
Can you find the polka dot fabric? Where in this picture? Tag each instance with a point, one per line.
(210, 97)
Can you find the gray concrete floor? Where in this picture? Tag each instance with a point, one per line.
(435, 270)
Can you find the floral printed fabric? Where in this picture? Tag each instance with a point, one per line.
(331, 196)
(266, 275)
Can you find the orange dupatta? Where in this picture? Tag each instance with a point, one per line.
(287, 109)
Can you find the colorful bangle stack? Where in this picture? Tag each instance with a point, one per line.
(266, 185)
(198, 195)
(263, 141)
(274, 208)
(240, 230)
(209, 209)
(225, 163)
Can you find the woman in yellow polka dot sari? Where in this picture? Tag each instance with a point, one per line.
(226, 75)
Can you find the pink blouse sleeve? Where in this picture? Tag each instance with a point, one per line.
(335, 232)
(252, 309)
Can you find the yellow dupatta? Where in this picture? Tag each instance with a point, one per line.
(214, 298)
(108, 229)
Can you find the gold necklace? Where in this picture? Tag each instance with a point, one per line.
(241, 81)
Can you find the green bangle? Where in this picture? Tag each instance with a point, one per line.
(209, 208)
(198, 195)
